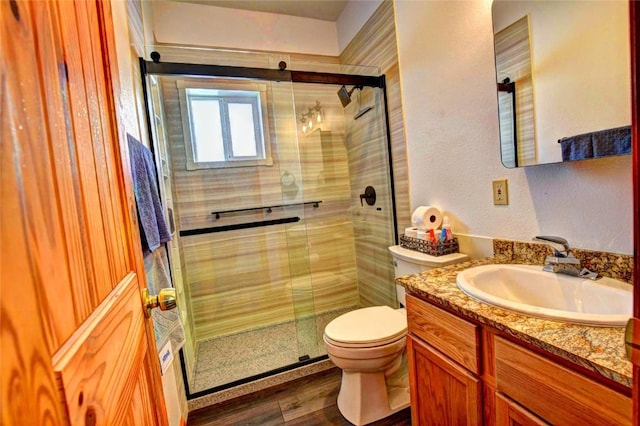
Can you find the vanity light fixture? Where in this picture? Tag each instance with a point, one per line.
(312, 118)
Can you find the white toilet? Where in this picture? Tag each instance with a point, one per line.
(368, 344)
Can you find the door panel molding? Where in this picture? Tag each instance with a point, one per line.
(75, 344)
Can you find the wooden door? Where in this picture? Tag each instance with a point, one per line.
(442, 392)
(76, 346)
(634, 24)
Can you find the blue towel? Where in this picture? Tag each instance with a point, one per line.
(576, 147)
(166, 324)
(612, 142)
(153, 228)
(616, 141)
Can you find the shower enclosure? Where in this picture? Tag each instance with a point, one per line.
(280, 199)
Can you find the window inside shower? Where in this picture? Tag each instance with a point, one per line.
(225, 123)
(265, 255)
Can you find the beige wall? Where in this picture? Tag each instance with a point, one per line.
(221, 27)
(448, 85)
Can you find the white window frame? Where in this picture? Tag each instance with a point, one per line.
(261, 122)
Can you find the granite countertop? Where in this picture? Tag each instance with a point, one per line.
(598, 349)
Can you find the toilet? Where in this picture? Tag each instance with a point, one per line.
(368, 344)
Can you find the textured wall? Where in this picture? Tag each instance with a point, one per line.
(243, 278)
(353, 17)
(448, 85)
(375, 45)
(221, 27)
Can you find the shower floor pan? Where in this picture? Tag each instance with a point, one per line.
(235, 357)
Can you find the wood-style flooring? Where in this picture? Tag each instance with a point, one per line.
(308, 401)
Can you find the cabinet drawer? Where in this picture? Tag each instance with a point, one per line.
(453, 336)
(556, 393)
(509, 413)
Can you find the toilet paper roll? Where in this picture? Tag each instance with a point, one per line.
(411, 232)
(426, 217)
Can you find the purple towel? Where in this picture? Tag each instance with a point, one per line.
(153, 228)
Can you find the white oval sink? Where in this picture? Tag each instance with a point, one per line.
(530, 290)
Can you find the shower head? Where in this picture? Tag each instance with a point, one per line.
(345, 95)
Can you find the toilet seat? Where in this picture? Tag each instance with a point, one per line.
(367, 327)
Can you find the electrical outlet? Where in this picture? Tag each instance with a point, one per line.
(500, 192)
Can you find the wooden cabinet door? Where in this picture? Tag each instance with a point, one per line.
(76, 346)
(442, 392)
(510, 413)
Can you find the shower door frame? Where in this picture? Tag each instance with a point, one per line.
(282, 74)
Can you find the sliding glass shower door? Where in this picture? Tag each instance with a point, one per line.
(345, 162)
(265, 182)
(238, 210)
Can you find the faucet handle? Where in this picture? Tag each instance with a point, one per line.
(556, 240)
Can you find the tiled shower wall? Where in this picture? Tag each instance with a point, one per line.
(375, 45)
(242, 278)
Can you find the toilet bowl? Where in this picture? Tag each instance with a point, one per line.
(369, 345)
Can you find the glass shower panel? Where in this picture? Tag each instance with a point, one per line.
(352, 149)
(241, 267)
(297, 203)
(367, 149)
(160, 142)
(341, 153)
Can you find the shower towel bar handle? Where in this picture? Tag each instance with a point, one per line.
(268, 209)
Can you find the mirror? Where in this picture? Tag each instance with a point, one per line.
(564, 80)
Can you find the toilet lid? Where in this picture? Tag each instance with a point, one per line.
(372, 326)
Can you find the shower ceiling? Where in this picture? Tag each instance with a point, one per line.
(326, 10)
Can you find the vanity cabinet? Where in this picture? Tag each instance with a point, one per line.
(445, 388)
(442, 393)
(463, 373)
(554, 392)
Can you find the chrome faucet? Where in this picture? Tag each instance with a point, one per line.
(563, 261)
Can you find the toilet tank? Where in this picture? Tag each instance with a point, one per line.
(407, 262)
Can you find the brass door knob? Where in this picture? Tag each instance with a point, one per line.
(165, 300)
